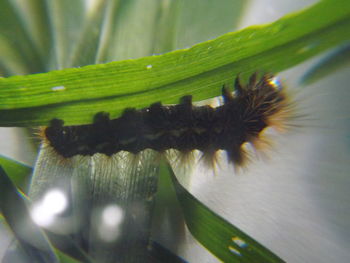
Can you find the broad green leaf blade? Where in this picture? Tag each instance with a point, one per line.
(75, 95)
(31, 238)
(18, 172)
(224, 240)
(338, 59)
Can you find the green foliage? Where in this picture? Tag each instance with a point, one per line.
(224, 240)
(18, 172)
(14, 209)
(137, 80)
(76, 94)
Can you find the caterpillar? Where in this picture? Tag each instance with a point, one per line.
(244, 115)
(75, 159)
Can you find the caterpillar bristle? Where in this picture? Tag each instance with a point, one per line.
(226, 94)
(176, 131)
(253, 79)
(235, 156)
(40, 132)
(60, 159)
(181, 161)
(186, 100)
(238, 85)
(210, 159)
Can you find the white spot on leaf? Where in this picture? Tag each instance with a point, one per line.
(58, 88)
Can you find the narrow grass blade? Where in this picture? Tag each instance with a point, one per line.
(63, 258)
(76, 95)
(30, 237)
(221, 238)
(18, 172)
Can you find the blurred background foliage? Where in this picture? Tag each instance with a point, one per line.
(38, 36)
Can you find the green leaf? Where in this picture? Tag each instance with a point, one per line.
(30, 237)
(85, 50)
(19, 54)
(15, 213)
(134, 29)
(65, 258)
(77, 94)
(36, 22)
(221, 238)
(18, 172)
(65, 28)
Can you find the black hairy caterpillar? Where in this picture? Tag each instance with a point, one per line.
(184, 127)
